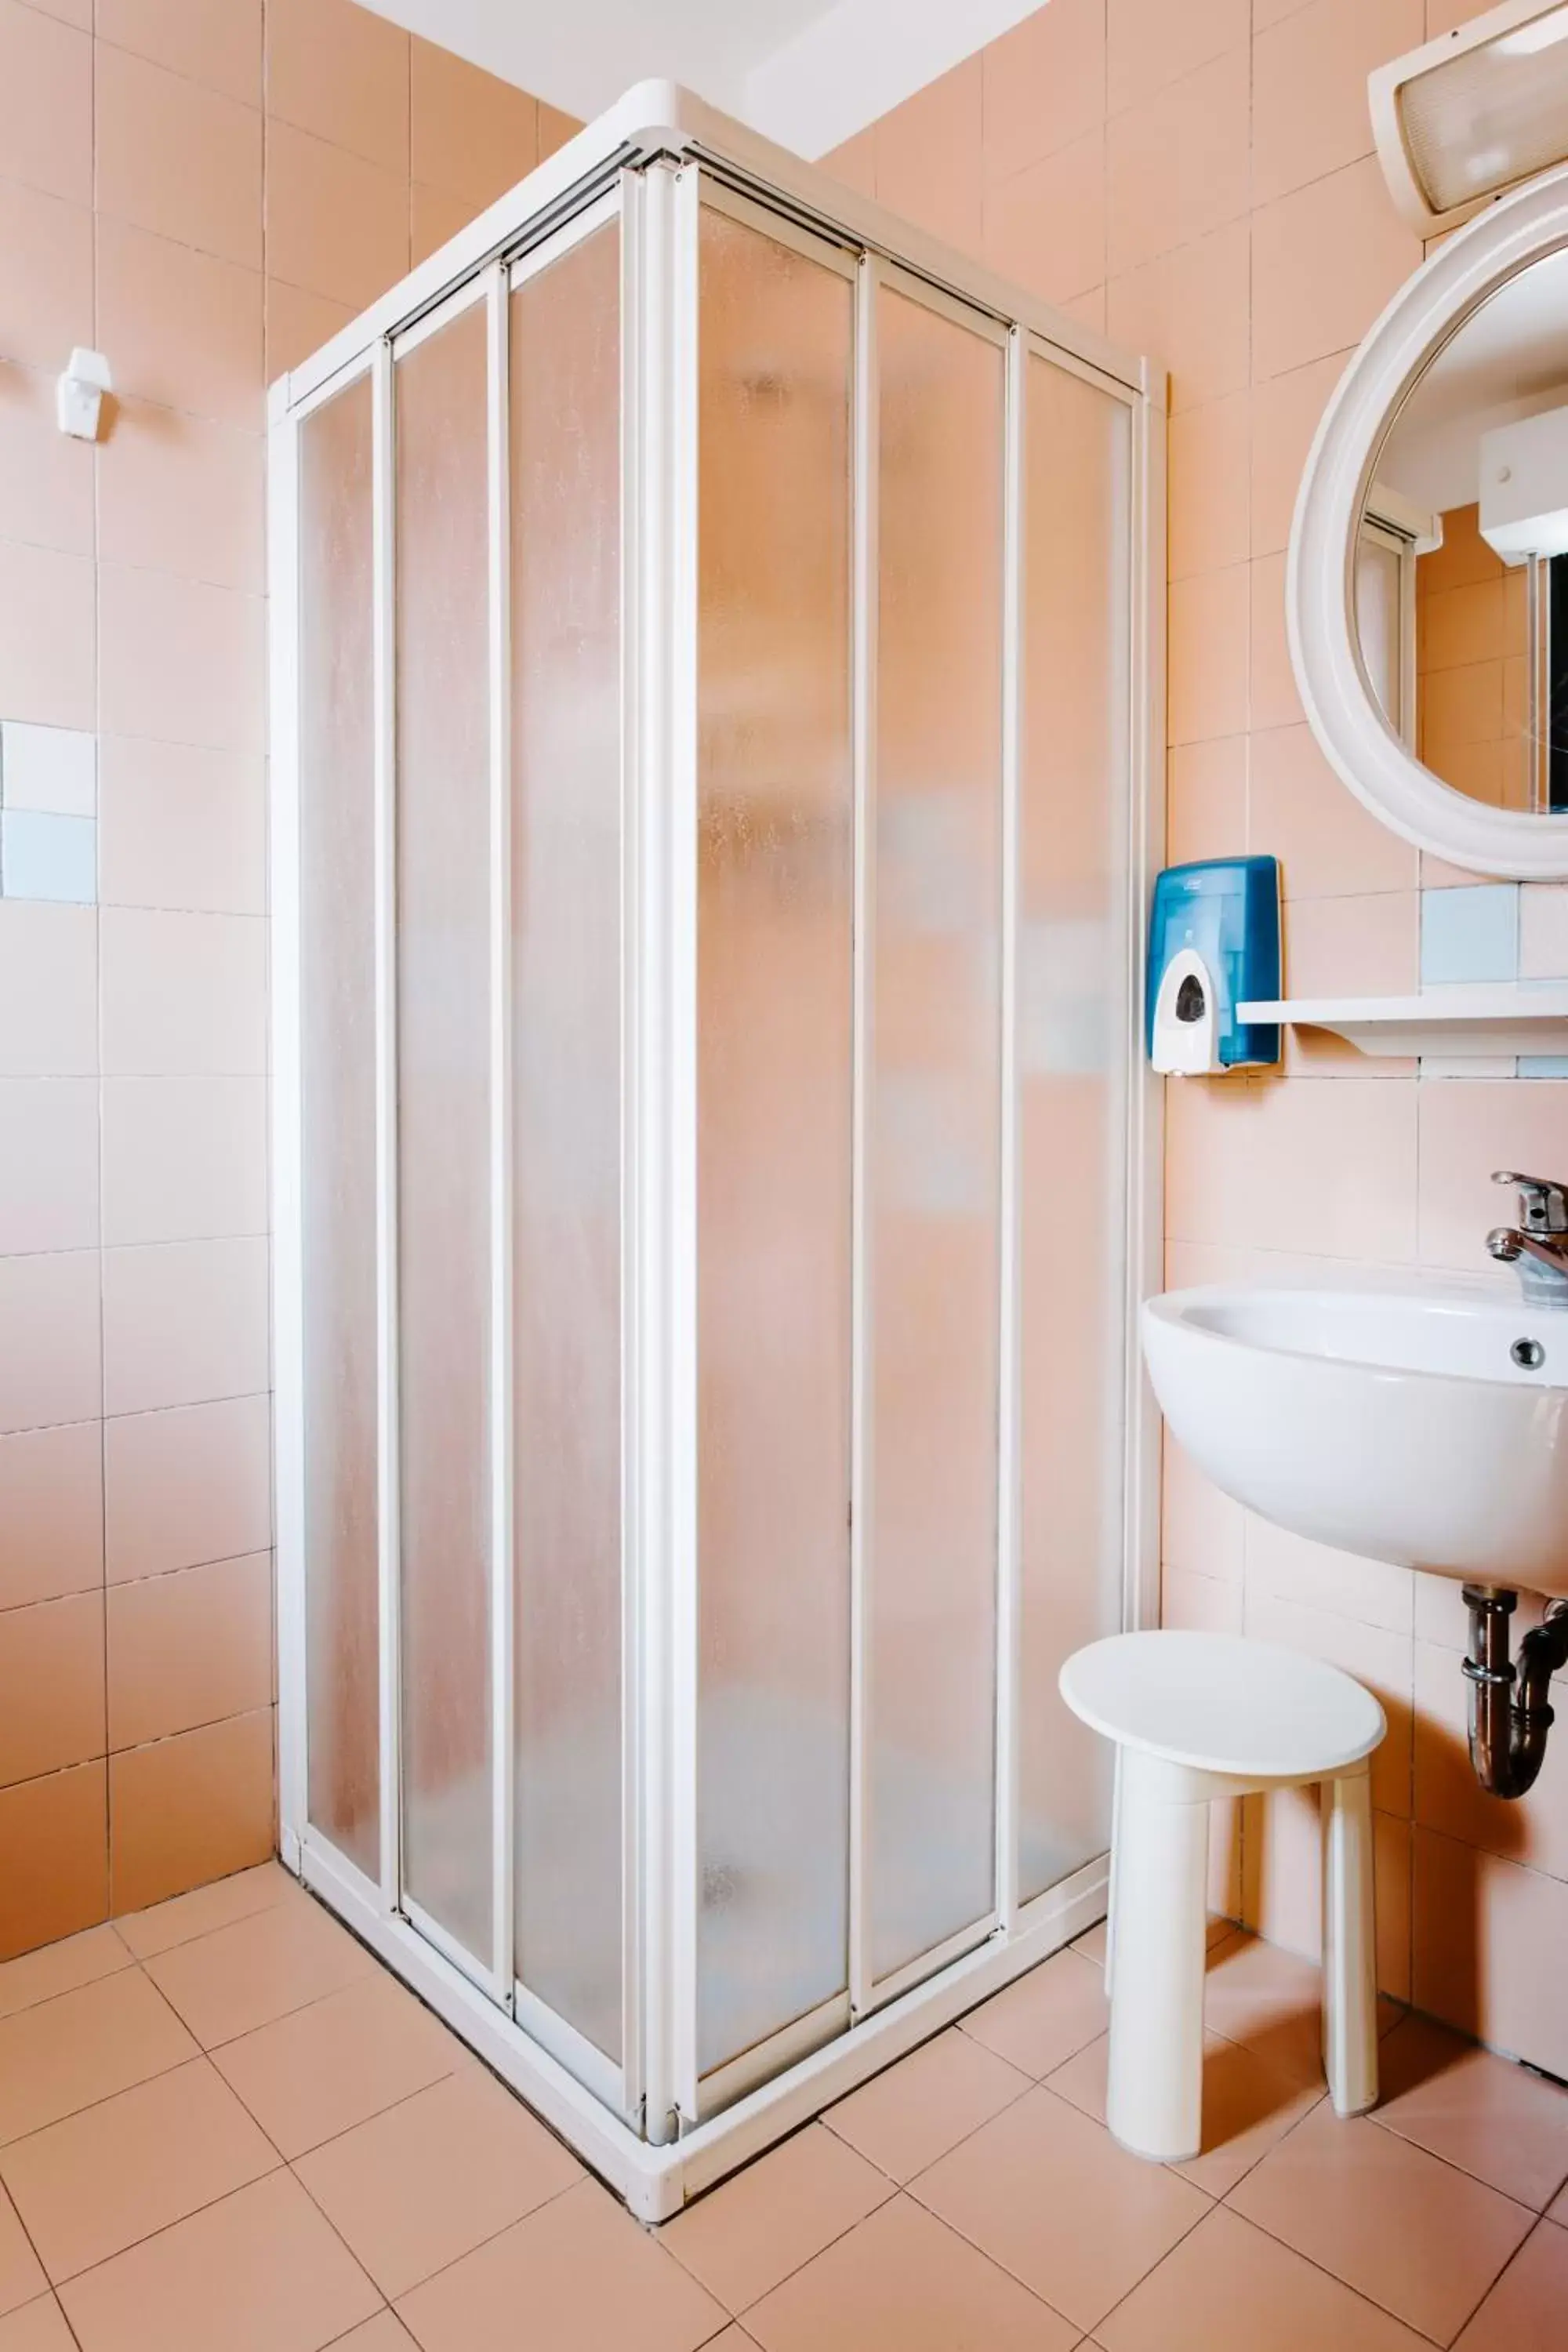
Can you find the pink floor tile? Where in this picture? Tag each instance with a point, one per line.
(904, 2119)
(243, 1976)
(1404, 2229)
(1042, 2019)
(260, 2272)
(61, 1968)
(1492, 2119)
(588, 2277)
(752, 2231)
(1526, 2310)
(22, 2275)
(185, 1917)
(426, 2183)
(322, 2069)
(1228, 2287)
(384, 2333)
(37, 2327)
(67, 2054)
(1050, 2196)
(99, 2181)
(902, 2282)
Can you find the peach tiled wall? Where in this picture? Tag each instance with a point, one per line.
(204, 189)
(1472, 644)
(1198, 180)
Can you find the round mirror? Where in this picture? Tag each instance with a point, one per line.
(1428, 578)
(1461, 561)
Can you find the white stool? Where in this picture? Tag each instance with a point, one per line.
(1195, 1717)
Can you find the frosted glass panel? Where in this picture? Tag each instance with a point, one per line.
(774, 1031)
(337, 1044)
(443, 1047)
(1379, 612)
(1072, 1060)
(566, 1065)
(934, 1143)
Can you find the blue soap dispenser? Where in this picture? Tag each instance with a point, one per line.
(1213, 944)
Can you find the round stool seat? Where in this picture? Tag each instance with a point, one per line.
(1194, 1716)
(1220, 1703)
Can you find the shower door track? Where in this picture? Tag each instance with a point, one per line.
(657, 2179)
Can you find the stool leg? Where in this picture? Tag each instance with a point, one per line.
(1155, 2094)
(1350, 1949)
(1110, 1881)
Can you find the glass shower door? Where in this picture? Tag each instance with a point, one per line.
(506, 1009)
(775, 899)
(338, 1122)
(1074, 1041)
(446, 1275)
(705, 1426)
(566, 1070)
(934, 1095)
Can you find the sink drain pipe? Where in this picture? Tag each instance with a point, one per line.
(1511, 1713)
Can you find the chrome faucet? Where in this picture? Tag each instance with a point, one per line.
(1538, 1245)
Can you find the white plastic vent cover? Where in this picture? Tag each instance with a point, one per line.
(1473, 113)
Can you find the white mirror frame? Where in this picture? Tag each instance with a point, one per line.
(1319, 588)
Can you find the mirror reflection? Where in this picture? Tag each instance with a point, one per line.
(1461, 562)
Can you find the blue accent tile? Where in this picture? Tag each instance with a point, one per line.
(1543, 1065)
(52, 769)
(45, 857)
(1469, 935)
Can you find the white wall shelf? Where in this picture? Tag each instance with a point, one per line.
(1448, 1021)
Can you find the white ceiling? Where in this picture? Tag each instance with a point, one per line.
(806, 72)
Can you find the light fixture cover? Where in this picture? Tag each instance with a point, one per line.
(1474, 112)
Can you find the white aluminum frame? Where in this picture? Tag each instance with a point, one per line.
(652, 2128)
(863, 688)
(504, 1775)
(1319, 584)
(286, 1120)
(1374, 532)
(1010, 1368)
(389, 1491)
(676, 888)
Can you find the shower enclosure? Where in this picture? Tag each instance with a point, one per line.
(713, 695)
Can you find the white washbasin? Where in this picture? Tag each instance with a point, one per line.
(1392, 1421)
